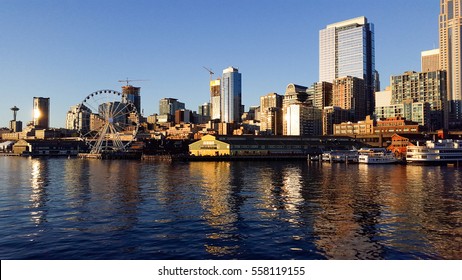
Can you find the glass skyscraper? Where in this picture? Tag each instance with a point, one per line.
(231, 96)
(42, 112)
(347, 49)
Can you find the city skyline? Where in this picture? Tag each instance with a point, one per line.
(69, 50)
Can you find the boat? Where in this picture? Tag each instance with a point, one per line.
(376, 156)
(326, 156)
(445, 151)
(341, 156)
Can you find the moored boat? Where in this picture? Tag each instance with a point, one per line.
(440, 152)
(376, 156)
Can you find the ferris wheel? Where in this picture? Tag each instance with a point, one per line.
(107, 121)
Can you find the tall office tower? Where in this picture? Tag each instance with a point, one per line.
(231, 96)
(450, 29)
(132, 94)
(425, 87)
(348, 93)
(203, 113)
(41, 112)
(376, 81)
(430, 60)
(78, 119)
(347, 49)
(321, 94)
(215, 99)
(168, 106)
(271, 114)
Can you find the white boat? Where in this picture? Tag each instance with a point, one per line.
(341, 156)
(440, 152)
(376, 156)
(326, 156)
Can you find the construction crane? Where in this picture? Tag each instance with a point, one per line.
(127, 81)
(210, 72)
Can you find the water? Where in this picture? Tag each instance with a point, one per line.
(60, 208)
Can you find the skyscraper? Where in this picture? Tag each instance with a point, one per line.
(231, 96)
(429, 88)
(168, 106)
(347, 49)
(41, 112)
(348, 94)
(430, 60)
(271, 114)
(215, 99)
(132, 94)
(450, 29)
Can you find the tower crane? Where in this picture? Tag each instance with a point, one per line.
(210, 72)
(127, 81)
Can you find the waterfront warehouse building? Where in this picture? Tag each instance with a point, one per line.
(261, 146)
(347, 49)
(231, 96)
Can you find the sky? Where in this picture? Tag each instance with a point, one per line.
(67, 49)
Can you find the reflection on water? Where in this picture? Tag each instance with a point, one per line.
(38, 194)
(92, 209)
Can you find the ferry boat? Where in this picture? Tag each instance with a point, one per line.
(440, 152)
(376, 156)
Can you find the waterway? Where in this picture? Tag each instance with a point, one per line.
(59, 208)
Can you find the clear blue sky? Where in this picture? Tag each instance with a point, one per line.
(67, 49)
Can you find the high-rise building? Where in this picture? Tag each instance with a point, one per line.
(203, 113)
(299, 116)
(333, 115)
(348, 93)
(347, 49)
(231, 96)
(132, 94)
(215, 99)
(321, 94)
(271, 114)
(78, 118)
(41, 112)
(302, 119)
(425, 87)
(430, 60)
(168, 106)
(450, 31)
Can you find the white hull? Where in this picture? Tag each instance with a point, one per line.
(377, 160)
(441, 152)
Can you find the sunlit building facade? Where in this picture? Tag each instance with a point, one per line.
(215, 99)
(231, 96)
(271, 114)
(347, 49)
(41, 112)
(430, 60)
(349, 94)
(450, 31)
(428, 88)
